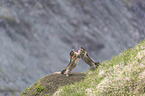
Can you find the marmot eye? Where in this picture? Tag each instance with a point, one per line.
(71, 53)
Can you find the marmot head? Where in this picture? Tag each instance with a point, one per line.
(82, 51)
(72, 52)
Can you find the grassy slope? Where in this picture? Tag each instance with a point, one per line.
(48, 84)
(123, 74)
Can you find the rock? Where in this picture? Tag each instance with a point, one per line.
(50, 83)
(37, 36)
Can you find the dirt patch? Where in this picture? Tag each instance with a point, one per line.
(52, 82)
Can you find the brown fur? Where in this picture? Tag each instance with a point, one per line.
(74, 58)
(84, 56)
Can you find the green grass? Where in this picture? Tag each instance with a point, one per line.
(39, 88)
(35, 89)
(122, 75)
(28, 89)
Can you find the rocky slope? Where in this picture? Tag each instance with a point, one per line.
(122, 75)
(37, 36)
(47, 85)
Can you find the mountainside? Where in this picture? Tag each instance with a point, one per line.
(122, 75)
(36, 36)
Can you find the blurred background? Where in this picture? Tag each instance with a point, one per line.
(36, 36)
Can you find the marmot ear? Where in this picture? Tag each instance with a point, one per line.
(82, 48)
(71, 52)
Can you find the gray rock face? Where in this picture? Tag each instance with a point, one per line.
(37, 36)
